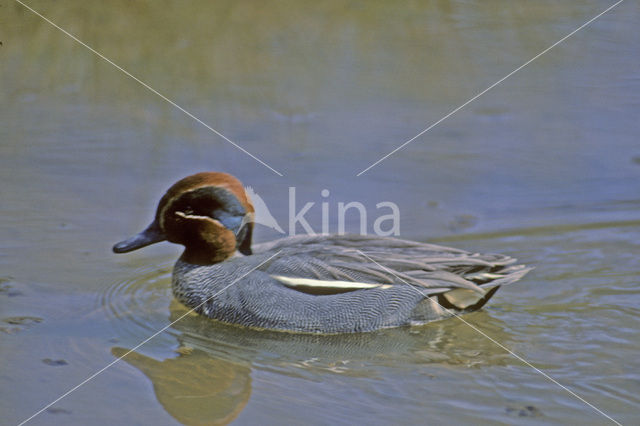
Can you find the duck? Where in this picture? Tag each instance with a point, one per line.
(326, 284)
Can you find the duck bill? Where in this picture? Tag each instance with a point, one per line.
(149, 236)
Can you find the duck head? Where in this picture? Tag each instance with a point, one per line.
(209, 213)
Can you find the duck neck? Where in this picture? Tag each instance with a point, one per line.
(204, 255)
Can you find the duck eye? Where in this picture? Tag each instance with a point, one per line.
(213, 202)
(191, 212)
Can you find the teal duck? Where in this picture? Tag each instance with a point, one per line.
(313, 284)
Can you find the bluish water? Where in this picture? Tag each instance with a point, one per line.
(544, 167)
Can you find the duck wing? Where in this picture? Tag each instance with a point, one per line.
(342, 263)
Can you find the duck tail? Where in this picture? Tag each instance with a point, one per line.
(450, 301)
(465, 300)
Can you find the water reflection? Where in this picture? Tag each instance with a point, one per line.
(209, 381)
(195, 388)
(449, 342)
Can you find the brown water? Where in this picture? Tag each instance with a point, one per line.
(545, 167)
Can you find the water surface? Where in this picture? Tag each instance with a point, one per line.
(545, 168)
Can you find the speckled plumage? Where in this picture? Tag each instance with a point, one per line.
(418, 274)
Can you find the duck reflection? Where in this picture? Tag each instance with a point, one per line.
(445, 342)
(209, 382)
(194, 388)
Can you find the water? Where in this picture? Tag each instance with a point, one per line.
(545, 167)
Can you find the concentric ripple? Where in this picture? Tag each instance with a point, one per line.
(139, 305)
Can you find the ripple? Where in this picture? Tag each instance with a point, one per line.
(142, 304)
(139, 305)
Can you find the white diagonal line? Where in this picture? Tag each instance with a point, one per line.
(91, 377)
(490, 87)
(497, 343)
(145, 85)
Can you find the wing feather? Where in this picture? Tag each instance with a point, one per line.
(387, 261)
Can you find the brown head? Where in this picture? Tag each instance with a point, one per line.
(209, 213)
